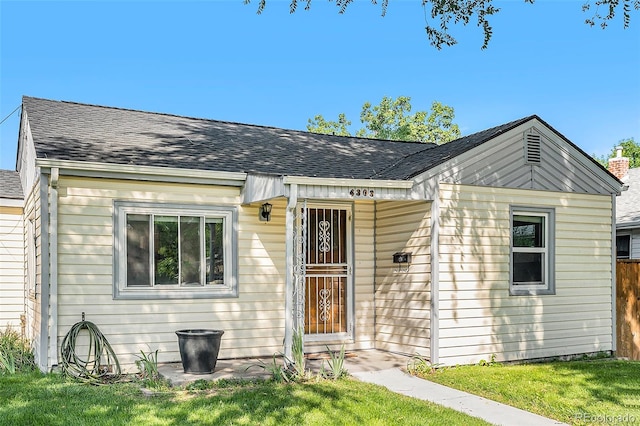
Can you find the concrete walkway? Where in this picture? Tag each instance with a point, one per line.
(381, 368)
(493, 412)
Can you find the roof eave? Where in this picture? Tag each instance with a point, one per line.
(11, 202)
(148, 173)
(628, 225)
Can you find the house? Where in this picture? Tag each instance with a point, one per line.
(627, 208)
(497, 244)
(12, 260)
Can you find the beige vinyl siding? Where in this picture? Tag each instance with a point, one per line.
(403, 298)
(364, 271)
(12, 266)
(253, 322)
(478, 317)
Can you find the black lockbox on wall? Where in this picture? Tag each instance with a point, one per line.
(402, 257)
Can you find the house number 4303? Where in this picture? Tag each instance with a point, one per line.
(361, 192)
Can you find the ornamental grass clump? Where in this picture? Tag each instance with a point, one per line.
(421, 366)
(335, 365)
(16, 355)
(148, 373)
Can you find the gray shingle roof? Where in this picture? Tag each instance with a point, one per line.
(628, 203)
(10, 185)
(80, 132)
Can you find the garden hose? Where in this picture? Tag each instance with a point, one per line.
(100, 364)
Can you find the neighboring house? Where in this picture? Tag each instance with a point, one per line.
(149, 223)
(627, 208)
(12, 255)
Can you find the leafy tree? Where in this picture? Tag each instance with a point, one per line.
(392, 119)
(630, 149)
(464, 11)
(318, 124)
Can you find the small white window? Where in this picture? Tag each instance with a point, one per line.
(532, 251)
(168, 251)
(623, 246)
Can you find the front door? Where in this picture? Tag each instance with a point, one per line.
(327, 271)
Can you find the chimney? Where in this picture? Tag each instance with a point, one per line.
(619, 165)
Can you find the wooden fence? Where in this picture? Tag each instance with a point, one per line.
(628, 308)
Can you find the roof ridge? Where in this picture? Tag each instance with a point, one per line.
(124, 136)
(262, 126)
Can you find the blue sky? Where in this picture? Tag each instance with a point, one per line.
(219, 60)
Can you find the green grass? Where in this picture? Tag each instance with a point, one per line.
(575, 392)
(34, 399)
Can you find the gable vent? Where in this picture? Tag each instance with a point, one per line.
(532, 152)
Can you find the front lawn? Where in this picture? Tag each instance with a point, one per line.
(575, 392)
(34, 399)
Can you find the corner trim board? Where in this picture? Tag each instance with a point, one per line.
(289, 264)
(43, 361)
(53, 268)
(614, 279)
(434, 344)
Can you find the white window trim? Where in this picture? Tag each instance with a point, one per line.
(625, 234)
(229, 214)
(548, 284)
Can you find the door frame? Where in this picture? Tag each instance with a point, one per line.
(348, 335)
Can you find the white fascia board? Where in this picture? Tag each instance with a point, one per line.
(151, 173)
(11, 202)
(369, 183)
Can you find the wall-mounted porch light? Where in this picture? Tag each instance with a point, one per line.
(265, 212)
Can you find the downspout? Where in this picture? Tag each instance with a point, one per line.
(614, 284)
(43, 346)
(289, 265)
(53, 268)
(434, 343)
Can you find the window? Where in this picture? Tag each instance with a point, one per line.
(623, 246)
(168, 251)
(532, 251)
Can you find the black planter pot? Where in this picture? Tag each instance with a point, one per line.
(199, 350)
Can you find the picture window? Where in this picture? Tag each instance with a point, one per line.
(171, 251)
